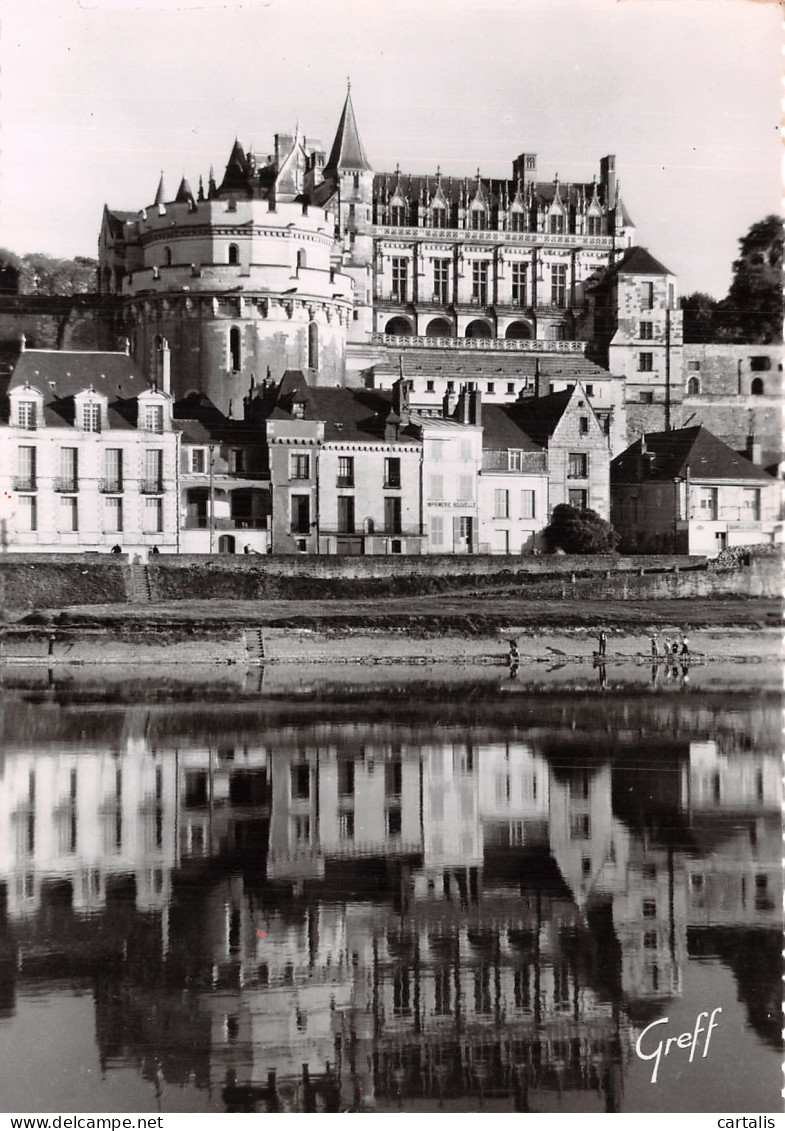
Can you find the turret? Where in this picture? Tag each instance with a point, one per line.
(160, 196)
(349, 170)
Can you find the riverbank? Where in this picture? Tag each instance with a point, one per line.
(441, 628)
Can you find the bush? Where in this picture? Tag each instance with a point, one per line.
(579, 532)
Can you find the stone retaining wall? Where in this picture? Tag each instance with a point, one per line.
(31, 582)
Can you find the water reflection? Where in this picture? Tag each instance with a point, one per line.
(278, 911)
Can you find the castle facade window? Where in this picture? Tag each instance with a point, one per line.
(313, 345)
(235, 359)
(234, 254)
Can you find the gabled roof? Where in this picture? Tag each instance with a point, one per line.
(501, 429)
(638, 261)
(670, 454)
(539, 417)
(192, 431)
(115, 219)
(347, 151)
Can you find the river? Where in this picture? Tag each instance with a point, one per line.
(387, 890)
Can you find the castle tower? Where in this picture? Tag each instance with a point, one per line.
(349, 170)
(241, 281)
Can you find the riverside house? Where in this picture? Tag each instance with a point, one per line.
(687, 492)
(88, 455)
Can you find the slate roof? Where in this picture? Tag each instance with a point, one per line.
(459, 365)
(539, 417)
(639, 261)
(202, 423)
(416, 187)
(193, 431)
(502, 429)
(116, 219)
(347, 151)
(671, 453)
(348, 414)
(61, 374)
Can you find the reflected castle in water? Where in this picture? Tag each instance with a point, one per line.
(354, 915)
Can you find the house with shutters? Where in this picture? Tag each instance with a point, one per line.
(564, 427)
(513, 484)
(451, 462)
(88, 455)
(687, 492)
(223, 483)
(344, 467)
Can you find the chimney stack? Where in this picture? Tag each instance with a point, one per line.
(463, 405)
(165, 366)
(475, 407)
(448, 404)
(753, 449)
(608, 179)
(400, 400)
(392, 427)
(542, 385)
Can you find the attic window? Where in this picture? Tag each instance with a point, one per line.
(27, 415)
(584, 426)
(92, 417)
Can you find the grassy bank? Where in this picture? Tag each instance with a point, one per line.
(470, 614)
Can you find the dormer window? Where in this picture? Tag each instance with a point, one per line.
(397, 215)
(594, 225)
(517, 221)
(154, 418)
(28, 415)
(557, 224)
(478, 219)
(439, 217)
(91, 417)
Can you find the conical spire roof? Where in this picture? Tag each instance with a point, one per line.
(160, 192)
(347, 151)
(184, 194)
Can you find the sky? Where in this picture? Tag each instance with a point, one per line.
(97, 97)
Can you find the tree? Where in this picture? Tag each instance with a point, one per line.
(752, 312)
(579, 531)
(699, 317)
(10, 267)
(43, 275)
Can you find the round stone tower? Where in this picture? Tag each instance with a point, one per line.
(241, 280)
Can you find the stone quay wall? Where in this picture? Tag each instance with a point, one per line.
(31, 582)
